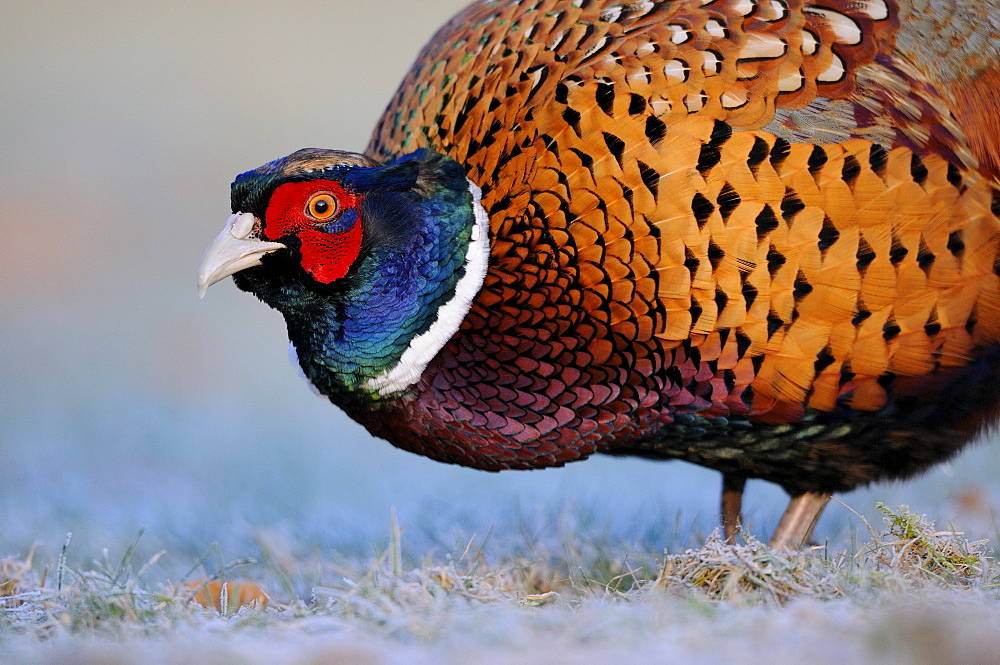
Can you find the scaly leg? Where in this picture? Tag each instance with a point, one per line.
(732, 504)
(797, 523)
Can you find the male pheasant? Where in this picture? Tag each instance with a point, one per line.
(757, 235)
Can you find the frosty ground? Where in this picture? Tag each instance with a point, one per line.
(913, 593)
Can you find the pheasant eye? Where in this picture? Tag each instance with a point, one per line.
(322, 206)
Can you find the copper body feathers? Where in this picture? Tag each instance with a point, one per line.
(705, 213)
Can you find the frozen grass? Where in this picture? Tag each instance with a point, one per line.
(912, 594)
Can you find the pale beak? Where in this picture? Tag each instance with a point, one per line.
(233, 250)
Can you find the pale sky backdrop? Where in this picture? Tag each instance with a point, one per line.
(127, 402)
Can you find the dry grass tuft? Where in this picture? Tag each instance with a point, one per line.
(12, 574)
(719, 571)
(915, 549)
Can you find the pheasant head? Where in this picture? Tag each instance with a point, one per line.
(373, 266)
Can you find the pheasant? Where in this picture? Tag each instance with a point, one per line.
(761, 236)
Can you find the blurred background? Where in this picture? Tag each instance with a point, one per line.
(125, 402)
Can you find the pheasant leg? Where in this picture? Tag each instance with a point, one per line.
(800, 517)
(732, 504)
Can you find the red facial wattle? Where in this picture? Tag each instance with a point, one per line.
(325, 218)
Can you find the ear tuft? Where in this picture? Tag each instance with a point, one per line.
(423, 172)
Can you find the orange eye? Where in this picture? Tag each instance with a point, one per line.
(322, 206)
